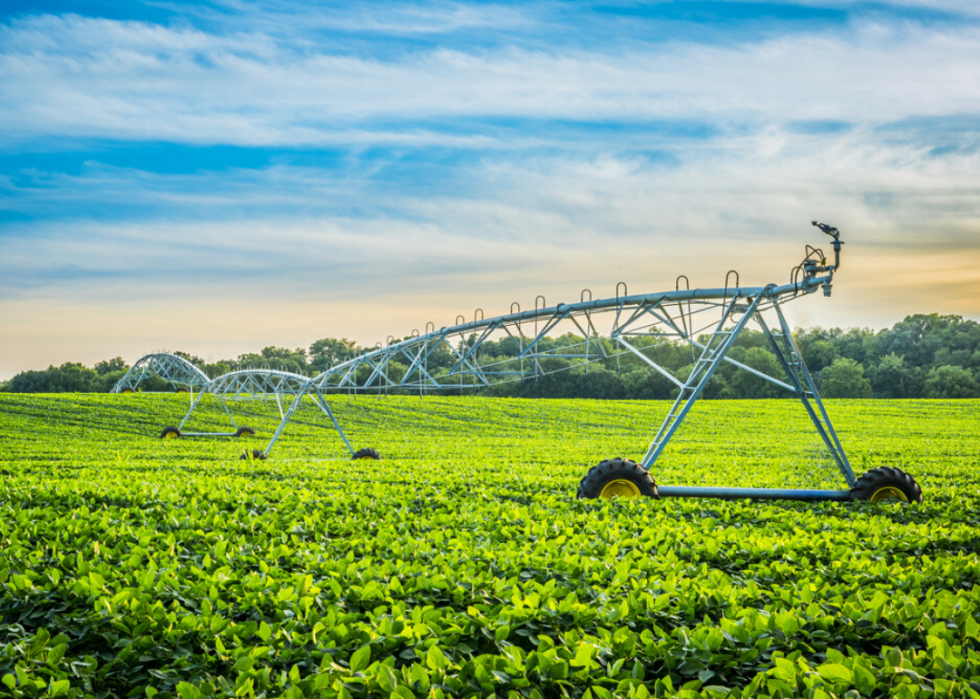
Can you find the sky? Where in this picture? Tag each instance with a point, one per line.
(218, 177)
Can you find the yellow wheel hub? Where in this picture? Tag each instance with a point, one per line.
(889, 493)
(170, 435)
(620, 489)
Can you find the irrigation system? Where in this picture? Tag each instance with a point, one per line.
(708, 321)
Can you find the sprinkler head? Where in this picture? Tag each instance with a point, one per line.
(829, 230)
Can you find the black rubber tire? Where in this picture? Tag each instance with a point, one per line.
(618, 469)
(244, 430)
(169, 431)
(886, 477)
(367, 453)
(256, 455)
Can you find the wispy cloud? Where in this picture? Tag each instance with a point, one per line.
(80, 77)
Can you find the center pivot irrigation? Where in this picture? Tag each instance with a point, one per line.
(709, 321)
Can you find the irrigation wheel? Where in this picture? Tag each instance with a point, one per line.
(886, 484)
(620, 478)
(127, 390)
(244, 430)
(366, 454)
(256, 455)
(170, 433)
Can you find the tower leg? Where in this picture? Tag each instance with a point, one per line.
(711, 357)
(806, 390)
(326, 409)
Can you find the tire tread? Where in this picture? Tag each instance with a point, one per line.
(617, 468)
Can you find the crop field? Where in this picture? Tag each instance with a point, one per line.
(462, 564)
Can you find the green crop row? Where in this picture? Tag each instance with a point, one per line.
(462, 564)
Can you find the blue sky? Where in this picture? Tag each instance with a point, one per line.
(218, 177)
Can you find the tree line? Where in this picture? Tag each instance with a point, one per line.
(923, 356)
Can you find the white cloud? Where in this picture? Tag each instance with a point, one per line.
(958, 7)
(76, 77)
(518, 224)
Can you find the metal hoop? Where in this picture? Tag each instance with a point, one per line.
(625, 290)
(581, 297)
(730, 273)
(480, 311)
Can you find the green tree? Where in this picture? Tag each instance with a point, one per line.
(920, 336)
(857, 344)
(951, 382)
(819, 355)
(743, 384)
(844, 379)
(891, 379)
(329, 351)
(70, 377)
(646, 384)
(599, 382)
(111, 365)
(274, 358)
(193, 359)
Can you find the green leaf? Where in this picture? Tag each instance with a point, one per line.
(583, 656)
(420, 676)
(244, 663)
(559, 670)
(864, 680)
(185, 690)
(790, 626)
(264, 632)
(57, 653)
(9, 680)
(784, 669)
(835, 672)
(434, 659)
(386, 678)
(59, 687)
(360, 659)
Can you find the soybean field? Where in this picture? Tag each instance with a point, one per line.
(462, 564)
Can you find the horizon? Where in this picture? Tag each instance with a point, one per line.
(222, 177)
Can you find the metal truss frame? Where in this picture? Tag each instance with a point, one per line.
(285, 388)
(175, 370)
(708, 320)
